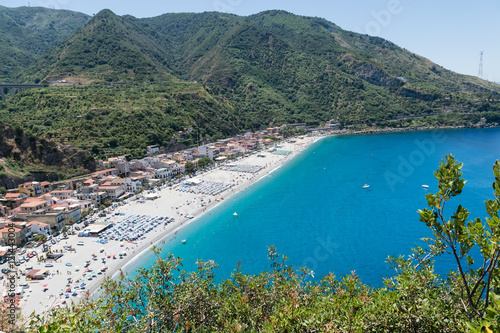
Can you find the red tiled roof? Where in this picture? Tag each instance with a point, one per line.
(13, 195)
(33, 199)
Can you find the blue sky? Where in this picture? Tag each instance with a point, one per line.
(450, 33)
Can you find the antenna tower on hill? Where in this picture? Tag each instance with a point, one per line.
(480, 72)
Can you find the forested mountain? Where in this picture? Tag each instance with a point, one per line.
(26, 33)
(139, 81)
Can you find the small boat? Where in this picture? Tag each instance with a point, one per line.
(366, 186)
(425, 186)
(184, 241)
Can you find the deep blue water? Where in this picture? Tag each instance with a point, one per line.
(315, 211)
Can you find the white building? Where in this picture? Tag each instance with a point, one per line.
(207, 151)
(40, 228)
(132, 184)
(163, 173)
(153, 149)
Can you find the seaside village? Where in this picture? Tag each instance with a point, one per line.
(44, 208)
(39, 214)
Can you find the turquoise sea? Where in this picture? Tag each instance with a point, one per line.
(315, 211)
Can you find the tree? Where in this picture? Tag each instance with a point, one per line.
(190, 168)
(203, 162)
(40, 238)
(457, 236)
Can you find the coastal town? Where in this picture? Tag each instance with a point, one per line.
(58, 229)
(62, 239)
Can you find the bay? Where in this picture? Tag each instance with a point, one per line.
(315, 211)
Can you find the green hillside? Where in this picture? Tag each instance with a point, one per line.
(26, 33)
(109, 48)
(122, 119)
(220, 74)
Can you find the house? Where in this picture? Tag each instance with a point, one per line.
(40, 228)
(163, 173)
(84, 204)
(123, 167)
(207, 151)
(96, 197)
(115, 181)
(117, 159)
(62, 195)
(13, 234)
(55, 219)
(149, 161)
(174, 167)
(153, 149)
(31, 189)
(135, 165)
(113, 192)
(30, 207)
(72, 213)
(105, 173)
(26, 227)
(4, 210)
(90, 182)
(133, 184)
(46, 187)
(13, 200)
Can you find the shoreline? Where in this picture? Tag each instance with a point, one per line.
(42, 295)
(240, 188)
(408, 129)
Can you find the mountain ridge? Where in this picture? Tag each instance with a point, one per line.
(251, 71)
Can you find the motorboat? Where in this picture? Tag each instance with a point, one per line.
(425, 186)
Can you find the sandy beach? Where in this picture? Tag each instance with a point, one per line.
(173, 202)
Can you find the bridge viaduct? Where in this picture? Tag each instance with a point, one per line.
(18, 86)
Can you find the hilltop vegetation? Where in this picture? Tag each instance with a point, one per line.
(25, 157)
(27, 33)
(140, 81)
(122, 118)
